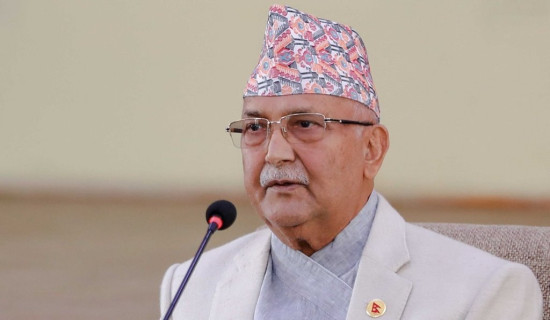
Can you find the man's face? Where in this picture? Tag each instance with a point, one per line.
(314, 186)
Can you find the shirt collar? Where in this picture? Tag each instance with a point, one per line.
(341, 256)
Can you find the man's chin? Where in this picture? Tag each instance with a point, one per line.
(285, 213)
(284, 221)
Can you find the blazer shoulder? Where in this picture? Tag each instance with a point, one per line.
(477, 278)
(230, 250)
(432, 246)
(211, 268)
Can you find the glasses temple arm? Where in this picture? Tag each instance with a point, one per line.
(343, 121)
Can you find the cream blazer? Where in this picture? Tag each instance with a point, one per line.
(417, 273)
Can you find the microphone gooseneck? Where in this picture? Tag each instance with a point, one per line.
(220, 215)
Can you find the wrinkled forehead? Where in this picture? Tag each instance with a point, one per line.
(274, 107)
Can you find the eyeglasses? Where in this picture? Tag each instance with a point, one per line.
(296, 128)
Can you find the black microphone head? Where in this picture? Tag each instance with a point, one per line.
(223, 209)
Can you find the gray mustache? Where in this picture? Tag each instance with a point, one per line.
(271, 173)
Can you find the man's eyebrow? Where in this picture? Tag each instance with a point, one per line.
(257, 114)
(300, 110)
(252, 114)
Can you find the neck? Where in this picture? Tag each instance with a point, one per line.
(315, 234)
(312, 236)
(297, 238)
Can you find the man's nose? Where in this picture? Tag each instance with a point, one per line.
(278, 148)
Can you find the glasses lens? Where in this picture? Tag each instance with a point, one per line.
(248, 132)
(305, 127)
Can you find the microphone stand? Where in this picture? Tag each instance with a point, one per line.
(212, 227)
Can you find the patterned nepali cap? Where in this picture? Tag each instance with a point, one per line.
(304, 54)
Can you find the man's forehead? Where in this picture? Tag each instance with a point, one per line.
(283, 105)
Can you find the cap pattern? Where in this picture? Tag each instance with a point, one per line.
(305, 54)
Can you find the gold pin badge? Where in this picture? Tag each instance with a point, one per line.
(376, 308)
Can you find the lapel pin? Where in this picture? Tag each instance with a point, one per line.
(376, 308)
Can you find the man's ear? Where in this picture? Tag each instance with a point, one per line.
(376, 145)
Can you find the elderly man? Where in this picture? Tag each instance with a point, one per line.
(311, 146)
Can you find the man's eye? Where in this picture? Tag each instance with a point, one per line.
(305, 124)
(253, 127)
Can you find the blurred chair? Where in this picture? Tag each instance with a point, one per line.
(527, 245)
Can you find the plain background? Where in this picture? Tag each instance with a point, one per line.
(134, 96)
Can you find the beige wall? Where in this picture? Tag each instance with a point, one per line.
(135, 95)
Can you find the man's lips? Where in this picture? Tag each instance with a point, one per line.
(282, 183)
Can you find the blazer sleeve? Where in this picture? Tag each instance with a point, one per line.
(166, 289)
(512, 292)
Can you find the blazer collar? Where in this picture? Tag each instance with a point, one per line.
(377, 278)
(239, 287)
(387, 243)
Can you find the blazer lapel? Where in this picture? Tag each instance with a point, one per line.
(377, 278)
(239, 287)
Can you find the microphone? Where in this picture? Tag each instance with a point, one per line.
(220, 215)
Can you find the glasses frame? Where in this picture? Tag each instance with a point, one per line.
(283, 128)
